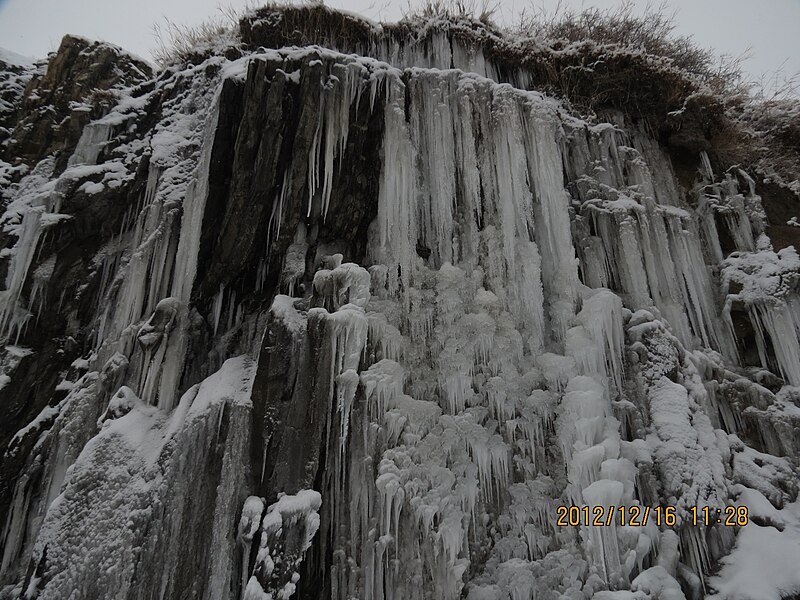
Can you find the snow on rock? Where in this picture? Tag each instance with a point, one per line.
(763, 564)
(768, 475)
(12, 58)
(287, 529)
(251, 517)
(657, 583)
(345, 284)
(141, 468)
(768, 283)
(686, 449)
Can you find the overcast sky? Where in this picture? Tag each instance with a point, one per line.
(35, 27)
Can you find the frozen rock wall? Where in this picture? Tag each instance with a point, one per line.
(293, 323)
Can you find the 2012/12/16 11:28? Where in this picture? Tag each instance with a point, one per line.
(638, 516)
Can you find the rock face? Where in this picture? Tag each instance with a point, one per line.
(15, 73)
(319, 325)
(76, 88)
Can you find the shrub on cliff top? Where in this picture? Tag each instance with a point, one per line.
(652, 31)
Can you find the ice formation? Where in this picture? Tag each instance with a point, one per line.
(287, 529)
(363, 324)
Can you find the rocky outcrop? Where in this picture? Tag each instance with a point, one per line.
(77, 87)
(264, 151)
(15, 73)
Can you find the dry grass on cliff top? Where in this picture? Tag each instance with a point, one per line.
(603, 34)
(593, 59)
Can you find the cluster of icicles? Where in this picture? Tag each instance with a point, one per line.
(491, 344)
(451, 373)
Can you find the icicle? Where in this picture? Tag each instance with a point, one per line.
(395, 240)
(12, 315)
(186, 262)
(551, 209)
(433, 132)
(771, 302)
(604, 546)
(276, 217)
(217, 303)
(248, 526)
(294, 262)
(583, 415)
(655, 254)
(386, 337)
(346, 384)
(383, 384)
(346, 284)
(93, 138)
(707, 171)
(601, 316)
(556, 369)
(126, 298)
(392, 492)
(782, 322)
(26, 217)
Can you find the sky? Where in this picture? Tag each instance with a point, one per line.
(767, 27)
